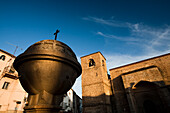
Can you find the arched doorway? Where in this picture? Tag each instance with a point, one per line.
(146, 95)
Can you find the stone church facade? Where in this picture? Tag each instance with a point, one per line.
(141, 87)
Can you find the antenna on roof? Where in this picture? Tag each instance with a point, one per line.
(16, 47)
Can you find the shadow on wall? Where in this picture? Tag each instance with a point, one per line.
(143, 97)
(97, 104)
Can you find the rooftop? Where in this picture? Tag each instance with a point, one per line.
(7, 53)
(94, 53)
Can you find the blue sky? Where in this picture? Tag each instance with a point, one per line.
(124, 31)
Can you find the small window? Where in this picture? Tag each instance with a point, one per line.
(91, 63)
(5, 86)
(2, 57)
(102, 62)
(18, 102)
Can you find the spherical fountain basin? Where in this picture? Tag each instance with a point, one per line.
(47, 65)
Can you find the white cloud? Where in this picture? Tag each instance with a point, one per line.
(111, 22)
(127, 39)
(152, 40)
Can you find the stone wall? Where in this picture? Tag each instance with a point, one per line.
(153, 72)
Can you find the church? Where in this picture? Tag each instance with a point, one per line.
(140, 87)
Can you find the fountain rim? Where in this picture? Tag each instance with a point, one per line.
(24, 58)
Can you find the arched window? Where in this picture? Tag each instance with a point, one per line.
(2, 57)
(91, 63)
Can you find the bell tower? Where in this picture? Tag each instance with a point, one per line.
(96, 88)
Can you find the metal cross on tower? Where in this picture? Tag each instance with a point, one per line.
(57, 31)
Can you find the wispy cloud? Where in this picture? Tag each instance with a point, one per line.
(129, 39)
(157, 40)
(112, 22)
(153, 40)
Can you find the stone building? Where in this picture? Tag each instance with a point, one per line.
(95, 84)
(12, 95)
(141, 87)
(71, 102)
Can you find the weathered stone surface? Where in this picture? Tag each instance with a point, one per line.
(96, 88)
(47, 70)
(143, 81)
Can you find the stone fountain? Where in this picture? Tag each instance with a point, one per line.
(47, 70)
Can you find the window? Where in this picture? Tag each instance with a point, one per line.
(2, 57)
(91, 63)
(18, 102)
(5, 86)
(102, 62)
